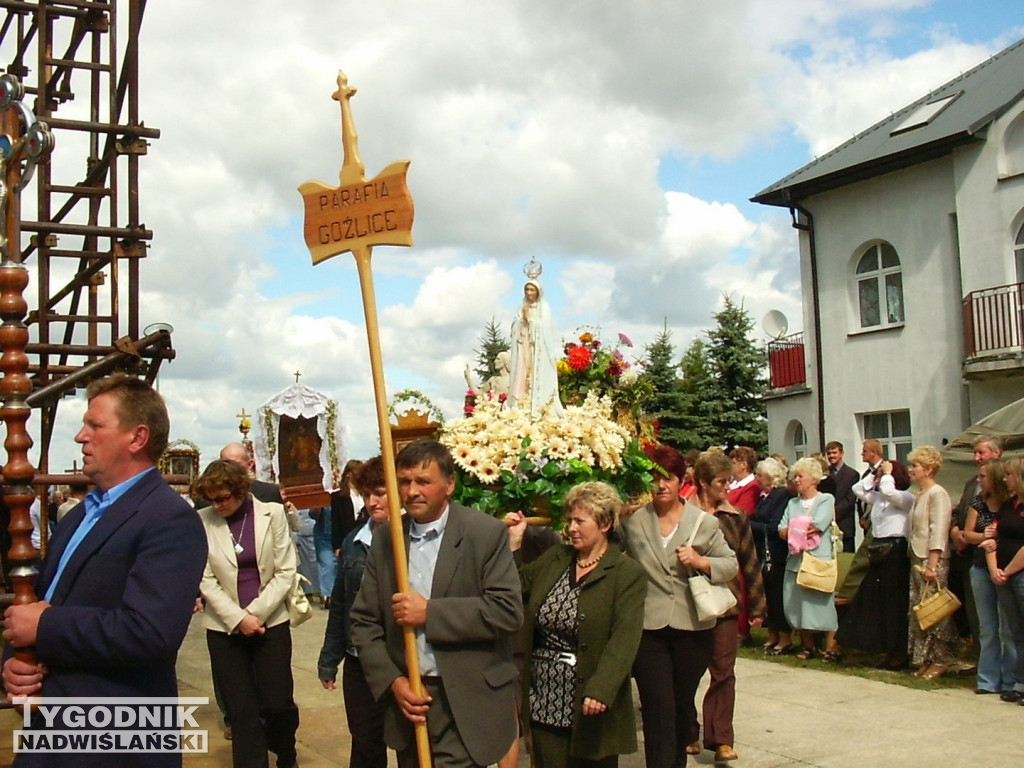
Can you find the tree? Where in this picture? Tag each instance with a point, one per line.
(734, 399)
(667, 404)
(491, 343)
(695, 383)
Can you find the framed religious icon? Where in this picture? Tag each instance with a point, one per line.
(298, 458)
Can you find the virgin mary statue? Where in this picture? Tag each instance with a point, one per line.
(534, 378)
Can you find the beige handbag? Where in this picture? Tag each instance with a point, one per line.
(934, 608)
(817, 574)
(299, 609)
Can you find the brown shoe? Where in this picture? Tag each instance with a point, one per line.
(725, 752)
(693, 748)
(227, 732)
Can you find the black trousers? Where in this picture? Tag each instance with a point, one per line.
(255, 678)
(668, 668)
(365, 718)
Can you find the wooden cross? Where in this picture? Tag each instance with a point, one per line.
(296, 375)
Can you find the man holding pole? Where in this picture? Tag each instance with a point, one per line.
(464, 602)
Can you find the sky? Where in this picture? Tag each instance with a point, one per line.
(617, 143)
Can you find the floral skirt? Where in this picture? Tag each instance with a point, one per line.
(937, 644)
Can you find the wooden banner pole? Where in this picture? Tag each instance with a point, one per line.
(355, 216)
(387, 452)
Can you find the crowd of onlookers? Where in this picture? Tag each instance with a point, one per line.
(568, 620)
(613, 598)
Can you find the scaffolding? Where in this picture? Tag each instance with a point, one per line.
(82, 238)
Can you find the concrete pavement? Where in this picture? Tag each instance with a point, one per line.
(785, 716)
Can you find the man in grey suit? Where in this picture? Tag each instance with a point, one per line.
(465, 603)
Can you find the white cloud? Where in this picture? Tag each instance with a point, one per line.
(534, 128)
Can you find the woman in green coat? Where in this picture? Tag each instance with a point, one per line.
(584, 605)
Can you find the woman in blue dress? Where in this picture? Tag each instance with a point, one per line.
(807, 609)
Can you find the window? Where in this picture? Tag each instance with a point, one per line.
(1011, 158)
(923, 115)
(892, 429)
(1018, 254)
(880, 287)
(799, 441)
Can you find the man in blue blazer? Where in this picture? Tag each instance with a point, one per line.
(119, 581)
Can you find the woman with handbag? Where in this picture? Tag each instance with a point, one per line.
(672, 542)
(876, 620)
(808, 609)
(249, 574)
(584, 604)
(1005, 560)
(931, 651)
(711, 473)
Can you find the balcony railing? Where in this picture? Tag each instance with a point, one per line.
(993, 320)
(786, 361)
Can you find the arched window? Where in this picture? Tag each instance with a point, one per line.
(1018, 254)
(880, 287)
(799, 440)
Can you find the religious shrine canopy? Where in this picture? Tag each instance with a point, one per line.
(298, 444)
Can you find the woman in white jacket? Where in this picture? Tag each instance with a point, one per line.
(249, 573)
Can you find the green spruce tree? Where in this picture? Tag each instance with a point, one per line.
(667, 403)
(696, 380)
(734, 399)
(491, 343)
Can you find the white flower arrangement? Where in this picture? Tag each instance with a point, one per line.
(507, 457)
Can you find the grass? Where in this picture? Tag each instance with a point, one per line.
(857, 664)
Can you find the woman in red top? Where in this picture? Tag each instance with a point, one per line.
(689, 487)
(743, 491)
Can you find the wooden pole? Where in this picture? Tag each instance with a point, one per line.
(387, 452)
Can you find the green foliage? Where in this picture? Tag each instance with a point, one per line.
(491, 343)
(667, 402)
(733, 397)
(695, 428)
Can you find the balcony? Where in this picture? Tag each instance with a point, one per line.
(994, 331)
(786, 362)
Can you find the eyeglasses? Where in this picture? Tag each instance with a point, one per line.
(221, 499)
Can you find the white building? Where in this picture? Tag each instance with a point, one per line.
(912, 266)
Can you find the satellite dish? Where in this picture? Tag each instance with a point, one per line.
(775, 324)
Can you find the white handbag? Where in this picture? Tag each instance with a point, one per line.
(710, 600)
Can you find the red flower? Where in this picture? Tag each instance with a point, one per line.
(580, 358)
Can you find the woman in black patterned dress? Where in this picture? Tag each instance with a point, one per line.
(584, 613)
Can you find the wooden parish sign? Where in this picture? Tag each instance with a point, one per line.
(355, 216)
(360, 212)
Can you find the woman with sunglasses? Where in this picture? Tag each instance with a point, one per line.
(249, 574)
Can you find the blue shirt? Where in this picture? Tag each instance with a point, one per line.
(96, 503)
(424, 546)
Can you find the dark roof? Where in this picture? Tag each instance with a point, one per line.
(981, 95)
